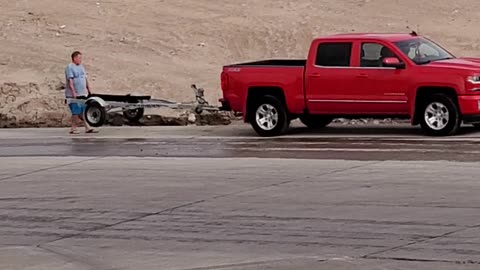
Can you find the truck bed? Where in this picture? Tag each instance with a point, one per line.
(244, 79)
(275, 62)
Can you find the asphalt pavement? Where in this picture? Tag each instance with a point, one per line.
(221, 198)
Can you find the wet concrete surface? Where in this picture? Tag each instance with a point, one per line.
(156, 199)
(381, 143)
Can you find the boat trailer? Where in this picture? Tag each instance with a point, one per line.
(98, 106)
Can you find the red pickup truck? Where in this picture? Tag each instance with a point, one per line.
(358, 76)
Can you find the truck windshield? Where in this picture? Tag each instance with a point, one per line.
(423, 51)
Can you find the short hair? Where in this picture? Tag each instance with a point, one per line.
(75, 54)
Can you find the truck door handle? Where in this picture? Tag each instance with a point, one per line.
(362, 76)
(314, 75)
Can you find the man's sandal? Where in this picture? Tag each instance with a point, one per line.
(91, 131)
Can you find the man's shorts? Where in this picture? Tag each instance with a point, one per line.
(77, 108)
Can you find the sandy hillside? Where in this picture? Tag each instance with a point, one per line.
(160, 47)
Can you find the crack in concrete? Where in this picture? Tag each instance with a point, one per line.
(291, 181)
(49, 168)
(372, 255)
(421, 260)
(253, 263)
(72, 259)
(106, 226)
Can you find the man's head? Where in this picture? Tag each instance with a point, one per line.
(77, 57)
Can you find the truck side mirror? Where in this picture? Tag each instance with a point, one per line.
(393, 62)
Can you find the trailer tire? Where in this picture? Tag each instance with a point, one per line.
(95, 114)
(133, 116)
(269, 117)
(198, 110)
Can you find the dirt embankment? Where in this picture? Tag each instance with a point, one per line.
(27, 105)
(159, 48)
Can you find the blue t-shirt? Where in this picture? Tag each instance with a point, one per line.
(79, 76)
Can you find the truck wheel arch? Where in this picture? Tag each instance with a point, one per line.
(421, 95)
(255, 92)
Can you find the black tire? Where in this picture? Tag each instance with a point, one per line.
(316, 121)
(95, 114)
(274, 107)
(133, 116)
(198, 110)
(441, 103)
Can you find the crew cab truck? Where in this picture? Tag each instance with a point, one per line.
(358, 76)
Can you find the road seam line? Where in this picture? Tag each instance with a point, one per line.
(291, 181)
(48, 168)
(422, 260)
(106, 226)
(372, 255)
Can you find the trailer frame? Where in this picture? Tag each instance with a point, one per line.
(98, 106)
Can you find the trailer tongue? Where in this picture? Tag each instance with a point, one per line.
(133, 107)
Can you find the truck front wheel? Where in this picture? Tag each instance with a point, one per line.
(440, 116)
(315, 121)
(269, 117)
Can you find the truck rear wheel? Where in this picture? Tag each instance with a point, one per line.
(440, 116)
(316, 121)
(269, 117)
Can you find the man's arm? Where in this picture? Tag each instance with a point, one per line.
(69, 75)
(88, 87)
(72, 88)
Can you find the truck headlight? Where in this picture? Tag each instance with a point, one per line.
(474, 79)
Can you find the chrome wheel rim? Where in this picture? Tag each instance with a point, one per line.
(94, 115)
(266, 117)
(436, 116)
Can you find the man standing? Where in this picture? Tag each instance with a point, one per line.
(77, 87)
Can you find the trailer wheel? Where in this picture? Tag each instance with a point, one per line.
(95, 114)
(133, 116)
(198, 110)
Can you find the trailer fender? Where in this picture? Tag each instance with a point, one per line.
(97, 100)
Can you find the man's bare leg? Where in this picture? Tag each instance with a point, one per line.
(75, 119)
(88, 128)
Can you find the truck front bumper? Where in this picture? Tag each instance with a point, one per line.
(470, 108)
(471, 119)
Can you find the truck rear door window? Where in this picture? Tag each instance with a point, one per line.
(334, 54)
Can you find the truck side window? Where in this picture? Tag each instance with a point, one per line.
(372, 54)
(334, 54)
